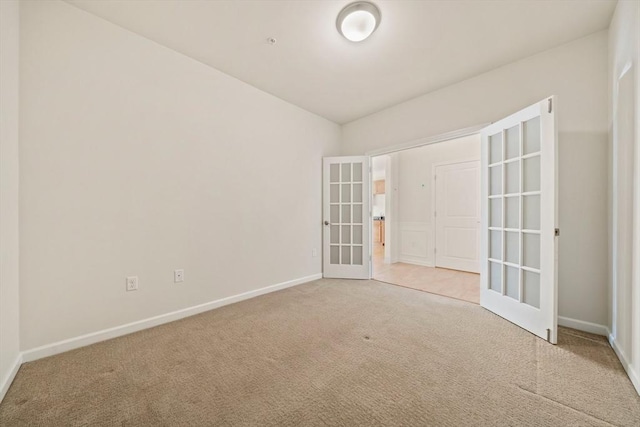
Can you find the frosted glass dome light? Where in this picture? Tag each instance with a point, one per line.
(358, 20)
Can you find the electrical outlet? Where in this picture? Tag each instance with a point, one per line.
(314, 252)
(132, 283)
(178, 276)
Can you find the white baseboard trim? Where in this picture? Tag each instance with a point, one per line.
(633, 375)
(581, 325)
(415, 260)
(8, 379)
(106, 334)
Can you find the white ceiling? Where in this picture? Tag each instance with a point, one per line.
(419, 47)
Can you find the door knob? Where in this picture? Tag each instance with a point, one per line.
(326, 223)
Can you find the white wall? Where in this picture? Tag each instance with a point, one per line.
(577, 74)
(137, 160)
(624, 81)
(415, 193)
(9, 267)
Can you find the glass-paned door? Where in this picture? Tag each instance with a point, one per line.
(519, 217)
(346, 217)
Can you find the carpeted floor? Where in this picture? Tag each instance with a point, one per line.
(331, 352)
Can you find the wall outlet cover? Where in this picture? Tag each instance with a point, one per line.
(132, 283)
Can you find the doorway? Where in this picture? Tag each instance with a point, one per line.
(426, 218)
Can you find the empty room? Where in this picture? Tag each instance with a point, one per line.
(199, 200)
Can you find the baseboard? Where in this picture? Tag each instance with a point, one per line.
(8, 379)
(633, 375)
(415, 261)
(106, 334)
(581, 325)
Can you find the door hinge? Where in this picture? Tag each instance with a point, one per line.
(557, 232)
(550, 104)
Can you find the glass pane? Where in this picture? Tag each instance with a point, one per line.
(334, 257)
(335, 234)
(531, 211)
(495, 148)
(334, 172)
(346, 193)
(512, 212)
(334, 216)
(357, 172)
(531, 288)
(346, 254)
(346, 172)
(357, 193)
(495, 213)
(531, 250)
(512, 136)
(357, 234)
(512, 282)
(531, 134)
(495, 276)
(512, 247)
(334, 193)
(357, 214)
(346, 214)
(531, 174)
(512, 180)
(495, 180)
(346, 234)
(357, 255)
(495, 246)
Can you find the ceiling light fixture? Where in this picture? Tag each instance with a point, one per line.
(358, 20)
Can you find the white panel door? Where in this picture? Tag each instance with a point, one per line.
(346, 217)
(457, 216)
(519, 217)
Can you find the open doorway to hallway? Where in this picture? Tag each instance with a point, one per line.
(426, 217)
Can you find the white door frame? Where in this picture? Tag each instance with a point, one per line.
(434, 166)
(633, 272)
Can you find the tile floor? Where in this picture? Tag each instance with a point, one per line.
(450, 283)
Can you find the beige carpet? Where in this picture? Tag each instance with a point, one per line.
(331, 352)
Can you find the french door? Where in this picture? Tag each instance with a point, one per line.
(346, 217)
(519, 219)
